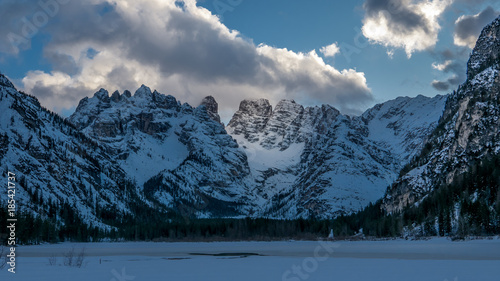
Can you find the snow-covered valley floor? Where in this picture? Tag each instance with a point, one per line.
(436, 259)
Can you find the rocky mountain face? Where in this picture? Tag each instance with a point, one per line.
(466, 139)
(57, 167)
(179, 156)
(314, 161)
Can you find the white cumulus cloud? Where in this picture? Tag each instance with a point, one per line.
(441, 66)
(330, 50)
(406, 24)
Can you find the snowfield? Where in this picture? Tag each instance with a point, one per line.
(437, 259)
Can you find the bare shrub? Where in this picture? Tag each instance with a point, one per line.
(80, 258)
(52, 260)
(69, 256)
(72, 258)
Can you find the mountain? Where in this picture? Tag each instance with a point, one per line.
(62, 175)
(289, 162)
(180, 156)
(314, 161)
(118, 152)
(461, 158)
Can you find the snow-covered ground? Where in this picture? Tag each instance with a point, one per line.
(437, 259)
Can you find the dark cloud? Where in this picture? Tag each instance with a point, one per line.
(448, 54)
(440, 86)
(62, 62)
(16, 25)
(403, 19)
(185, 45)
(199, 51)
(456, 79)
(456, 67)
(453, 61)
(468, 28)
(475, 2)
(101, 21)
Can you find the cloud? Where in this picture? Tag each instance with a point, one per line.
(183, 50)
(453, 63)
(468, 27)
(442, 66)
(330, 50)
(15, 17)
(440, 86)
(390, 54)
(410, 25)
(57, 89)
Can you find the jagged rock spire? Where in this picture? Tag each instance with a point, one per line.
(212, 107)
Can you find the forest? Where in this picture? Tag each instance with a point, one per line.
(470, 206)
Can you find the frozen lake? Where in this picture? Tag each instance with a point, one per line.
(437, 259)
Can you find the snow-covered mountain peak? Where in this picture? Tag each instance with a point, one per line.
(256, 121)
(211, 104)
(404, 123)
(257, 107)
(143, 92)
(102, 95)
(115, 96)
(5, 82)
(289, 106)
(148, 133)
(250, 119)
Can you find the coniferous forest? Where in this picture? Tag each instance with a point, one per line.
(456, 210)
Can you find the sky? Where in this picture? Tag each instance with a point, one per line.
(350, 54)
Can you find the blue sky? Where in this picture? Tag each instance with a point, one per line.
(237, 49)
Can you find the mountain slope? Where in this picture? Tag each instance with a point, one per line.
(180, 156)
(465, 144)
(315, 161)
(57, 167)
(285, 163)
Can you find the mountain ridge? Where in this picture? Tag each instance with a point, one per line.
(135, 131)
(322, 136)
